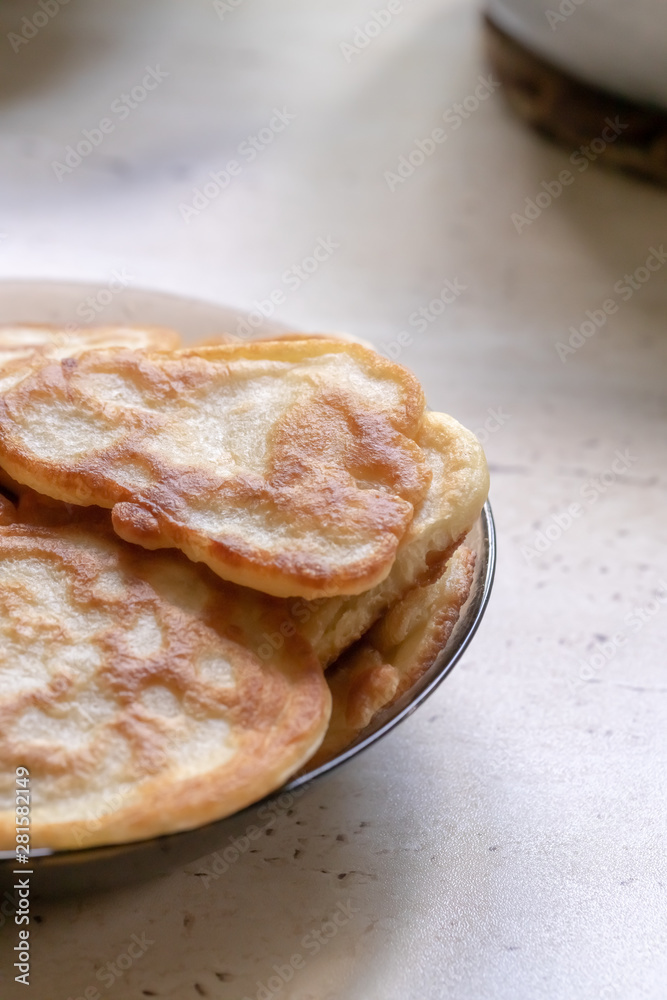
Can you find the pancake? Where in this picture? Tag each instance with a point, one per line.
(130, 690)
(456, 495)
(394, 654)
(10, 485)
(7, 510)
(217, 339)
(458, 490)
(289, 467)
(346, 338)
(18, 341)
(232, 338)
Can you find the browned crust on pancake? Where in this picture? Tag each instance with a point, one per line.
(321, 457)
(10, 485)
(393, 655)
(7, 510)
(231, 338)
(413, 400)
(457, 492)
(277, 707)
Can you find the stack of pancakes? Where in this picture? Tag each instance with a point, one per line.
(217, 564)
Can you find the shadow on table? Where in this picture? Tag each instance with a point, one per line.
(288, 895)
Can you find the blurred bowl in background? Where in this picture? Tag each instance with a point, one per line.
(589, 73)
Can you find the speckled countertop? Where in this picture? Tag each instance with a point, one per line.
(508, 840)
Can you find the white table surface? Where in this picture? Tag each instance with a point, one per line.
(508, 840)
